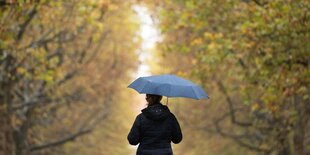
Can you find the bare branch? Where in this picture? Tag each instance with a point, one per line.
(261, 4)
(83, 52)
(231, 107)
(97, 116)
(27, 104)
(33, 100)
(61, 141)
(97, 48)
(67, 77)
(42, 39)
(238, 138)
(44, 100)
(23, 26)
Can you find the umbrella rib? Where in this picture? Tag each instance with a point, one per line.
(193, 90)
(147, 82)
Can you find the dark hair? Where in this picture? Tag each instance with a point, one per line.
(155, 98)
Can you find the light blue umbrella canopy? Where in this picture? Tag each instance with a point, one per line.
(168, 85)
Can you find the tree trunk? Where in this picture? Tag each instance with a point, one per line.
(6, 135)
(299, 139)
(300, 126)
(6, 140)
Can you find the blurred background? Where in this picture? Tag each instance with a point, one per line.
(65, 67)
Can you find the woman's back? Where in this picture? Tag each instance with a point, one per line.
(154, 129)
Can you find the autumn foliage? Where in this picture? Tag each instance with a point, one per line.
(65, 66)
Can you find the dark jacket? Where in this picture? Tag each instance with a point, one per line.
(155, 128)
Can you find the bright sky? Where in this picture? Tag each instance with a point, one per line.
(149, 34)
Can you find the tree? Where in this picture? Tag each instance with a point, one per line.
(57, 62)
(252, 56)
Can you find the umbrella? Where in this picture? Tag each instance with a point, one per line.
(168, 85)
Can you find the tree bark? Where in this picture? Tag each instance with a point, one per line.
(299, 130)
(6, 138)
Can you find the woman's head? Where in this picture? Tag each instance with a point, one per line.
(153, 99)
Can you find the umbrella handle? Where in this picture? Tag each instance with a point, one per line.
(167, 101)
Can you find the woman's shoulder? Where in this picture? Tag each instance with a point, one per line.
(172, 116)
(140, 116)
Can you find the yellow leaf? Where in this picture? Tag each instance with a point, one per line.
(208, 35)
(196, 41)
(212, 46)
(21, 70)
(255, 106)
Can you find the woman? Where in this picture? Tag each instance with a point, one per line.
(155, 128)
